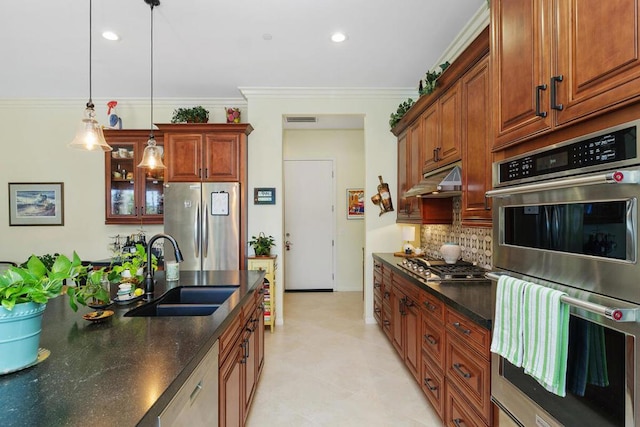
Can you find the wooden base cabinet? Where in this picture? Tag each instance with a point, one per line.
(406, 324)
(240, 363)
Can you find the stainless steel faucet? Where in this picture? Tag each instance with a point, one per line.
(148, 282)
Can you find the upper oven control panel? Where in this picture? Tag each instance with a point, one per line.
(579, 155)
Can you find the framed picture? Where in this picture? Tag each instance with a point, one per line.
(36, 203)
(355, 203)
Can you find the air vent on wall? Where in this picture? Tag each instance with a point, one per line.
(302, 119)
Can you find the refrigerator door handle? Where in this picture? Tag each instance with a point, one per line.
(205, 224)
(196, 232)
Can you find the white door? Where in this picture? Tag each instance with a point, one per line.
(309, 225)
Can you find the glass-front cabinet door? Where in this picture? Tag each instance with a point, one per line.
(133, 195)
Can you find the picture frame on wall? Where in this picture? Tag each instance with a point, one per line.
(355, 203)
(38, 203)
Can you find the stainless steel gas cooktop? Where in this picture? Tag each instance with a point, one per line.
(431, 270)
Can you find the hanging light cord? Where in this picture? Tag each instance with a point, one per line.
(90, 103)
(151, 136)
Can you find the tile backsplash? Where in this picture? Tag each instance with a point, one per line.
(476, 242)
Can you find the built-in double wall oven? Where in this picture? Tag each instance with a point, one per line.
(566, 217)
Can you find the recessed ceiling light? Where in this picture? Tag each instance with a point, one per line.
(110, 35)
(338, 37)
(267, 36)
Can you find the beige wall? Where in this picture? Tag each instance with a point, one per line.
(266, 109)
(346, 149)
(34, 135)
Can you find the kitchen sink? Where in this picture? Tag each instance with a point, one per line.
(185, 301)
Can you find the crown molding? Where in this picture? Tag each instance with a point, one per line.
(327, 92)
(468, 34)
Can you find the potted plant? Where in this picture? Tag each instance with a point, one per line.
(262, 244)
(190, 115)
(92, 292)
(131, 270)
(24, 293)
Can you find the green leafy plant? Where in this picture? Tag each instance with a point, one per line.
(47, 260)
(431, 80)
(190, 115)
(36, 283)
(91, 292)
(132, 266)
(262, 244)
(400, 112)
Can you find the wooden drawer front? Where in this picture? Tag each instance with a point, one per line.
(470, 332)
(432, 334)
(377, 266)
(411, 291)
(377, 309)
(377, 283)
(432, 383)
(457, 413)
(432, 306)
(260, 264)
(387, 321)
(228, 338)
(470, 373)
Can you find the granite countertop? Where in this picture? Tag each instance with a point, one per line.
(471, 298)
(121, 372)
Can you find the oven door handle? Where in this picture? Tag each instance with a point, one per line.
(615, 314)
(615, 177)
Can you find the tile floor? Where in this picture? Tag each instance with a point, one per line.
(326, 367)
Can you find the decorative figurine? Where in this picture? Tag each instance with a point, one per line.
(233, 115)
(115, 122)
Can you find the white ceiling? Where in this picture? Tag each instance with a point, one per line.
(210, 48)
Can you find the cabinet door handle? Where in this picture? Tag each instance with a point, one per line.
(408, 302)
(435, 154)
(458, 422)
(430, 339)
(195, 392)
(458, 368)
(486, 204)
(554, 93)
(243, 360)
(386, 294)
(142, 211)
(427, 382)
(459, 327)
(206, 172)
(199, 172)
(539, 89)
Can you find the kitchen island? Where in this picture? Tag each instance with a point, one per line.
(123, 371)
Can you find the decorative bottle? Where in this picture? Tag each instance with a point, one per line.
(385, 195)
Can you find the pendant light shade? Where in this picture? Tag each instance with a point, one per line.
(89, 136)
(152, 156)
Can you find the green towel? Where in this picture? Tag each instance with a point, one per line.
(508, 319)
(546, 337)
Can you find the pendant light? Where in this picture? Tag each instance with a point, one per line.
(151, 157)
(89, 136)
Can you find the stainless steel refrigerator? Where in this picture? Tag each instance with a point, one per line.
(204, 218)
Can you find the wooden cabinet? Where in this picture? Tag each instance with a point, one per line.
(206, 152)
(269, 266)
(406, 323)
(444, 350)
(409, 173)
(467, 366)
(240, 363)
(196, 403)
(132, 195)
(442, 133)
(377, 291)
(476, 145)
(581, 61)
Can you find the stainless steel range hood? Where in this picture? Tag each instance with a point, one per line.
(444, 182)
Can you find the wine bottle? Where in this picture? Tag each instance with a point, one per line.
(385, 195)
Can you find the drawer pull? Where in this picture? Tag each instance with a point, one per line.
(377, 310)
(427, 383)
(430, 306)
(195, 392)
(458, 368)
(408, 302)
(430, 339)
(387, 323)
(458, 422)
(459, 327)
